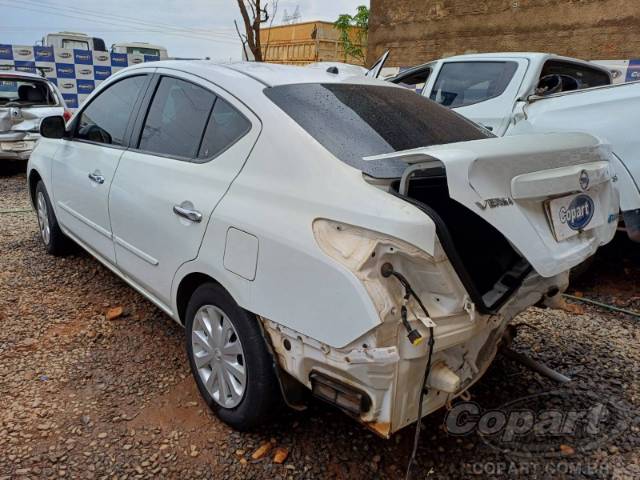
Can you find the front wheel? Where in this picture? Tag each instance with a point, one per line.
(229, 359)
(55, 242)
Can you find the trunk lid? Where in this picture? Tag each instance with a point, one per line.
(551, 196)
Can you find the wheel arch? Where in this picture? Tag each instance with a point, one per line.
(33, 179)
(188, 284)
(290, 388)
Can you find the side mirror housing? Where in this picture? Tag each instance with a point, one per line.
(53, 127)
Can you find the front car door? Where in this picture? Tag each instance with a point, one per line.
(192, 139)
(84, 166)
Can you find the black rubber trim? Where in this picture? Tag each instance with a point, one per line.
(458, 265)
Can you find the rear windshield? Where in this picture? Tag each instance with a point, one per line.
(24, 92)
(356, 121)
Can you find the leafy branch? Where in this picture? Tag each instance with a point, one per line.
(345, 25)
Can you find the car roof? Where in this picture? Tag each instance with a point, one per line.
(532, 56)
(25, 75)
(138, 44)
(266, 74)
(536, 56)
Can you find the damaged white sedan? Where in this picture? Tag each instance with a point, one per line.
(351, 238)
(25, 99)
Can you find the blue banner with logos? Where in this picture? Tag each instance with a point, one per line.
(77, 73)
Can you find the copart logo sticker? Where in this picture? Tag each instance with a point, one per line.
(584, 180)
(545, 424)
(579, 212)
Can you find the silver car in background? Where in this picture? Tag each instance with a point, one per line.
(25, 99)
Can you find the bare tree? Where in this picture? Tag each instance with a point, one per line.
(253, 16)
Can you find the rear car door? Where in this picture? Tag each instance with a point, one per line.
(191, 141)
(84, 166)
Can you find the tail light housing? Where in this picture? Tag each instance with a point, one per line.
(67, 114)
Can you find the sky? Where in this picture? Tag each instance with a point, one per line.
(187, 28)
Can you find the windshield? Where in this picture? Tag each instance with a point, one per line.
(75, 44)
(143, 51)
(24, 92)
(465, 83)
(356, 121)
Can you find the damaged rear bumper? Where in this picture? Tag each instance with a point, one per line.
(17, 145)
(385, 380)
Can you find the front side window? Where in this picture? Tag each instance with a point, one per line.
(176, 119)
(105, 119)
(465, 83)
(559, 76)
(356, 121)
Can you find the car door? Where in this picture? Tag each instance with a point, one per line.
(84, 166)
(190, 145)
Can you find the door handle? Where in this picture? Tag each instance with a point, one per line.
(186, 210)
(96, 177)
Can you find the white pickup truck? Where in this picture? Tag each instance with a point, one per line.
(516, 93)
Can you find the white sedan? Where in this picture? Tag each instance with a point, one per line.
(311, 232)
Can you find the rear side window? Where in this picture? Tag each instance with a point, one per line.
(105, 119)
(226, 126)
(177, 118)
(356, 121)
(465, 83)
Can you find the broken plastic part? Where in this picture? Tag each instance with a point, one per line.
(443, 378)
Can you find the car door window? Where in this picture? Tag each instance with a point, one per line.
(105, 119)
(464, 83)
(176, 119)
(558, 76)
(414, 80)
(226, 126)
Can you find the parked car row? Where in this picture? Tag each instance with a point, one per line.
(316, 233)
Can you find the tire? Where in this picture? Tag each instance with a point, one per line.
(55, 242)
(249, 394)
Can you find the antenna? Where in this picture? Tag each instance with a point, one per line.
(296, 14)
(289, 19)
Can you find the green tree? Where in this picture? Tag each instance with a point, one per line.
(344, 25)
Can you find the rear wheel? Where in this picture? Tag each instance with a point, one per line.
(229, 359)
(55, 242)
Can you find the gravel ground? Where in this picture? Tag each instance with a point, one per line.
(87, 397)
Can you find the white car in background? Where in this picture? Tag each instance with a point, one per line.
(309, 232)
(514, 93)
(25, 99)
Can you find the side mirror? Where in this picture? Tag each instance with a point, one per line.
(53, 127)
